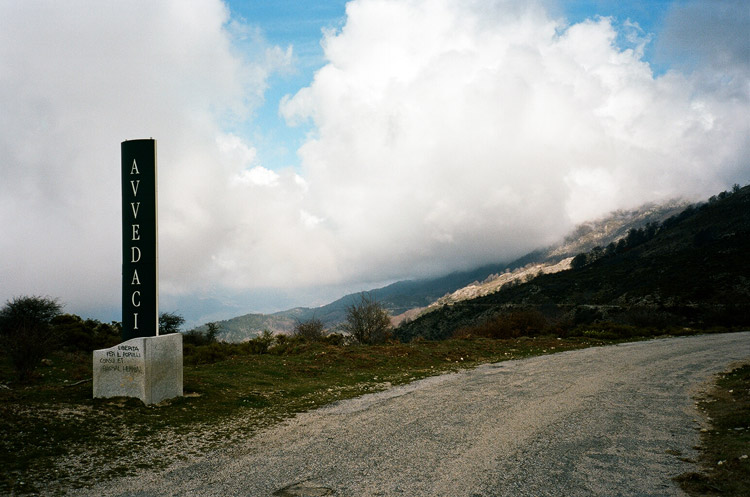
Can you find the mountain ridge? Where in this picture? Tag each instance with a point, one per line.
(407, 299)
(690, 270)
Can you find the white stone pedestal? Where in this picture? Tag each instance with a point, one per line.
(148, 368)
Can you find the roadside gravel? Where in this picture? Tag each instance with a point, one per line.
(616, 420)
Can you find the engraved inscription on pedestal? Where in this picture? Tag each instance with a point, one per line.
(148, 368)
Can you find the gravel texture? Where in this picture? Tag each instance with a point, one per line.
(616, 420)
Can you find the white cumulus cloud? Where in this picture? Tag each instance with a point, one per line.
(77, 79)
(445, 134)
(451, 133)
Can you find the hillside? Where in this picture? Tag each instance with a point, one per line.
(406, 300)
(397, 298)
(690, 270)
(555, 258)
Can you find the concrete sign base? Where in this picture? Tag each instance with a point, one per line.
(148, 368)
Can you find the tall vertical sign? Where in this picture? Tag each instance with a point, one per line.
(140, 251)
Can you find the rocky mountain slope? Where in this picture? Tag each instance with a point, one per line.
(405, 300)
(585, 237)
(691, 270)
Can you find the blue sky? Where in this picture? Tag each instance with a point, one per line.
(301, 24)
(311, 149)
(287, 23)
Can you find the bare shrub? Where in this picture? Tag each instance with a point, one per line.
(311, 330)
(367, 321)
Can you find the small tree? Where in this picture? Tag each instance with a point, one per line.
(367, 321)
(26, 331)
(579, 261)
(312, 330)
(170, 322)
(212, 331)
(199, 337)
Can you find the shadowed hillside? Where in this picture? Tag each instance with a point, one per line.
(690, 270)
(407, 298)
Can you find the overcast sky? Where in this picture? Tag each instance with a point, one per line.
(309, 150)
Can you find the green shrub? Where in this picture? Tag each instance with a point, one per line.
(336, 339)
(511, 324)
(607, 330)
(288, 345)
(188, 349)
(78, 335)
(206, 354)
(197, 337)
(106, 335)
(648, 318)
(259, 344)
(600, 334)
(311, 330)
(26, 331)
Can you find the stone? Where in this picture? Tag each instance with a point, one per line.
(147, 368)
(304, 489)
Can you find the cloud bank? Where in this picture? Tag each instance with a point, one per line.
(77, 79)
(446, 134)
(451, 133)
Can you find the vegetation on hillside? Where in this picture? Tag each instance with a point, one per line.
(405, 298)
(689, 271)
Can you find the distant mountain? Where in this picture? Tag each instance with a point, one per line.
(251, 325)
(558, 257)
(397, 298)
(407, 299)
(691, 269)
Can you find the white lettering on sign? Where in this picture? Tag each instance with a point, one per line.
(134, 184)
(139, 238)
(134, 251)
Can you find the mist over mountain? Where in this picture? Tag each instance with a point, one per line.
(689, 270)
(405, 300)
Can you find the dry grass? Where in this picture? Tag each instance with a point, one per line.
(725, 443)
(55, 437)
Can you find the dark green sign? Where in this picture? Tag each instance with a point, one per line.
(140, 255)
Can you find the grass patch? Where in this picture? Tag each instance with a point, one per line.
(725, 444)
(55, 437)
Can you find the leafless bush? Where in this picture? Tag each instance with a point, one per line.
(367, 321)
(311, 330)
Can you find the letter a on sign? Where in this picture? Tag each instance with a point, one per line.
(140, 259)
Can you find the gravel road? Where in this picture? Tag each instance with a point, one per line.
(607, 421)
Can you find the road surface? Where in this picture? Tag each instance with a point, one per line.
(616, 420)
